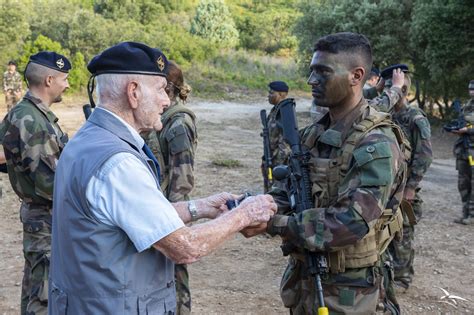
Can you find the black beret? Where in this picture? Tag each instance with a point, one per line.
(278, 86)
(388, 72)
(129, 57)
(51, 60)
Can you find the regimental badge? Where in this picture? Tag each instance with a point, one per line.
(161, 63)
(60, 63)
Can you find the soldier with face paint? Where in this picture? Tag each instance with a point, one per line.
(357, 169)
(464, 150)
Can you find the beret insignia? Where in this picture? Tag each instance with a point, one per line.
(60, 63)
(161, 63)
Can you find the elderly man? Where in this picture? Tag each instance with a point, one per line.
(33, 141)
(115, 236)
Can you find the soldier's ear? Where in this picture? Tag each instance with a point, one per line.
(357, 76)
(48, 80)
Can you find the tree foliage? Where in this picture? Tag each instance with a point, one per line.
(214, 23)
(430, 35)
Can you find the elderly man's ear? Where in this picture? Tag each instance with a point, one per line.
(133, 94)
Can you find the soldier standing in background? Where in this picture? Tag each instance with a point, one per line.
(12, 85)
(371, 89)
(278, 91)
(464, 150)
(416, 127)
(174, 147)
(33, 141)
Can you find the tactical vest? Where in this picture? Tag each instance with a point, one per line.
(328, 173)
(165, 136)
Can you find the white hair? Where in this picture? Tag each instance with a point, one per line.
(111, 86)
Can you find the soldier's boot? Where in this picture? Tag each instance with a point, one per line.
(467, 216)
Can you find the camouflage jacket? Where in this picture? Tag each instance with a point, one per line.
(174, 147)
(12, 81)
(417, 129)
(33, 141)
(280, 150)
(461, 149)
(349, 204)
(387, 100)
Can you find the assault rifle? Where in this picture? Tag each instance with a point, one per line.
(457, 124)
(296, 173)
(267, 154)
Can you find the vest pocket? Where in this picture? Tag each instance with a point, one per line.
(158, 303)
(57, 301)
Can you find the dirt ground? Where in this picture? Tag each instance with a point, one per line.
(243, 276)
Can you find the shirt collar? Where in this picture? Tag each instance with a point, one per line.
(133, 132)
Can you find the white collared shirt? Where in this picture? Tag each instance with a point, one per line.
(123, 193)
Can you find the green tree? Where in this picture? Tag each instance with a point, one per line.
(441, 38)
(15, 30)
(78, 76)
(214, 22)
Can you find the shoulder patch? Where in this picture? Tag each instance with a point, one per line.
(424, 126)
(374, 161)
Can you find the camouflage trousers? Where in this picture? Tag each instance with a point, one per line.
(36, 250)
(298, 292)
(11, 98)
(403, 251)
(183, 293)
(465, 185)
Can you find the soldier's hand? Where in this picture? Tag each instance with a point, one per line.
(409, 194)
(460, 131)
(398, 78)
(252, 231)
(380, 85)
(257, 209)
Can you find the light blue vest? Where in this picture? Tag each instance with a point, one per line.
(95, 268)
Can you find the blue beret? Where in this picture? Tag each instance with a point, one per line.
(129, 57)
(278, 86)
(51, 60)
(375, 71)
(387, 72)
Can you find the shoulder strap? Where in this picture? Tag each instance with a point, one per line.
(374, 120)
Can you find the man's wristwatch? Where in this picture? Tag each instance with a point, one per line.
(192, 210)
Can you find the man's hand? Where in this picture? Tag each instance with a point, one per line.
(460, 131)
(398, 78)
(257, 210)
(212, 206)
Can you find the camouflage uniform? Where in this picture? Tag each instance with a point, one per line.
(12, 85)
(417, 129)
(463, 149)
(174, 147)
(33, 141)
(358, 175)
(279, 148)
(387, 100)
